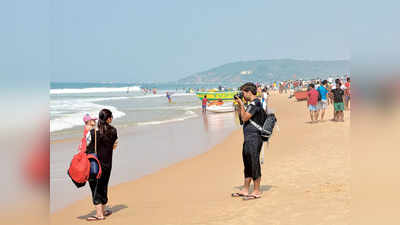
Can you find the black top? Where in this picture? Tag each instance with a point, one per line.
(254, 108)
(337, 95)
(105, 144)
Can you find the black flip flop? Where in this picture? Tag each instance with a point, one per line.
(95, 218)
(251, 197)
(237, 194)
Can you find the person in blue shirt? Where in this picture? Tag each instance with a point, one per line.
(322, 104)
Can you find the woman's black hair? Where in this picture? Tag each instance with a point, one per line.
(104, 115)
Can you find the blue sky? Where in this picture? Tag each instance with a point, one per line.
(167, 40)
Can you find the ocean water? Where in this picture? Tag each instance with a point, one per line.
(69, 102)
(158, 134)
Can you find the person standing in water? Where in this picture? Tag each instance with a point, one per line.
(169, 97)
(204, 104)
(104, 141)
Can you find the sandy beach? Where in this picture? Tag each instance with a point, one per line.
(305, 180)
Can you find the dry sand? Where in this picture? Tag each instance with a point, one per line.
(305, 181)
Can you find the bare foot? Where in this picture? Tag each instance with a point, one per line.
(256, 193)
(241, 193)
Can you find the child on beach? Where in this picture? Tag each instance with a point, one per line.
(90, 123)
(312, 101)
(337, 97)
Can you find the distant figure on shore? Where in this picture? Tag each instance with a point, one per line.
(323, 102)
(204, 104)
(347, 93)
(103, 141)
(252, 141)
(312, 101)
(169, 97)
(264, 98)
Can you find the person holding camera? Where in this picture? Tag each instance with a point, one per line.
(252, 140)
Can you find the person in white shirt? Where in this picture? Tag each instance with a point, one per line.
(264, 98)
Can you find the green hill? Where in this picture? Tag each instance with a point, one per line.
(268, 70)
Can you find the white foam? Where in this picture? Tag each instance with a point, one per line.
(94, 90)
(188, 115)
(75, 109)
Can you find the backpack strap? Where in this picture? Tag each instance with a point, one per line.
(255, 125)
(95, 141)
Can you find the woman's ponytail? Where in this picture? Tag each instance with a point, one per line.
(104, 115)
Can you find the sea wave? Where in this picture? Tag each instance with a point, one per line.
(94, 90)
(72, 119)
(188, 115)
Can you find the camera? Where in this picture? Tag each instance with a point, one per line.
(238, 95)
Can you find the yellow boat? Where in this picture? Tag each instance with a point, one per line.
(215, 95)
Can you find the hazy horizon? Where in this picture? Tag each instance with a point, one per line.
(130, 41)
(171, 81)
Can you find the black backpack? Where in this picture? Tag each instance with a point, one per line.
(268, 125)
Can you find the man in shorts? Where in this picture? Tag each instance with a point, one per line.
(312, 102)
(337, 96)
(322, 104)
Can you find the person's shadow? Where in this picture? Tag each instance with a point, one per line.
(263, 188)
(113, 209)
(205, 121)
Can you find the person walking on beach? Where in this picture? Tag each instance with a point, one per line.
(323, 102)
(312, 101)
(169, 97)
(337, 97)
(204, 104)
(347, 93)
(105, 140)
(252, 141)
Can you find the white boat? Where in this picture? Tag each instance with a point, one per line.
(220, 108)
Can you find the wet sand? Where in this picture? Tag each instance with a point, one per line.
(142, 150)
(305, 180)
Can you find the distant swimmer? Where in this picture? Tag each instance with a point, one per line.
(169, 97)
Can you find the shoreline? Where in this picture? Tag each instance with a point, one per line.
(138, 154)
(305, 180)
